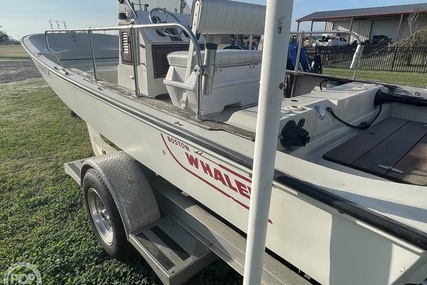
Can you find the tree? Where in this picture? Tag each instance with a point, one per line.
(417, 21)
(4, 37)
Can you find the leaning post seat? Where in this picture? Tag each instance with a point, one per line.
(228, 17)
(237, 72)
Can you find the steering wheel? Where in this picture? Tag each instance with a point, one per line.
(167, 32)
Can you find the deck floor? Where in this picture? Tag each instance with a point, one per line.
(394, 143)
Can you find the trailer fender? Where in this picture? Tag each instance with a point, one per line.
(129, 187)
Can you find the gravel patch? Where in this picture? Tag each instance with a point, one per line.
(17, 70)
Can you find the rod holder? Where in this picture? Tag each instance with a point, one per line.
(357, 56)
(209, 63)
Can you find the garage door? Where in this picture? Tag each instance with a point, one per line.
(386, 27)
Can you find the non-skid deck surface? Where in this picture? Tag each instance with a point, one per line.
(393, 142)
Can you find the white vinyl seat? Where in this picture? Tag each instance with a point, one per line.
(237, 72)
(224, 58)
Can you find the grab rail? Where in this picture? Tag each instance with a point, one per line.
(132, 28)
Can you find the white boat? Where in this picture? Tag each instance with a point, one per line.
(349, 197)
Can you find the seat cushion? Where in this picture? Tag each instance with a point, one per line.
(224, 58)
(228, 17)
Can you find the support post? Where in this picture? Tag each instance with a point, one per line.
(135, 58)
(399, 29)
(276, 36)
(92, 52)
(298, 57)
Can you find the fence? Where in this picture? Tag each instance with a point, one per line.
(401, 59)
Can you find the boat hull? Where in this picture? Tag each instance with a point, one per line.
(330, 246)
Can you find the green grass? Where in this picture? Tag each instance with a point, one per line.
(42, 215)
(404, 78)
(13, 52)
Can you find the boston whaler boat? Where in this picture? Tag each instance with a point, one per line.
(348, 198)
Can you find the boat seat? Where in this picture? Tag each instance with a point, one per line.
(224, 58)
(237, 72)
(227, 17)
(235, 82)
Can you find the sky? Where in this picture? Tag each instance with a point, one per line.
(23, 17)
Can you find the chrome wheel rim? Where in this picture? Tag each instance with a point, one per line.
(100, 216)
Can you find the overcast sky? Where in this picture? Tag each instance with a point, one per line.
(22, 17)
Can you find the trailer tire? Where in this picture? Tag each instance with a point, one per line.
(104, 216)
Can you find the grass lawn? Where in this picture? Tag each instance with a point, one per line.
(13, 52)
(43, 220)
(404, 78)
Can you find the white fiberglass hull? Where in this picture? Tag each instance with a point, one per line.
(344, 234)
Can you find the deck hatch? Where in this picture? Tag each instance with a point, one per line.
(396, 143)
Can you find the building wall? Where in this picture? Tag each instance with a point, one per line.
(329, 26)
(405, 33)
(388, 27)
(342, 26)
(372, 26)
(361, 27)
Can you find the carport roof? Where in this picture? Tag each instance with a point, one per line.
(364, 12)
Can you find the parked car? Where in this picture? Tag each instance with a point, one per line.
(378, 39)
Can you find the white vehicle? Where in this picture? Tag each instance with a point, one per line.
(331, 41)
(206, 136)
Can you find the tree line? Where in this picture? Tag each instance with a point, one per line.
(5, 39)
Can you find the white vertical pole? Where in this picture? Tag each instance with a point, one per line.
(274, 57)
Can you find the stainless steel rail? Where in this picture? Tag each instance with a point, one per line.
(132, 28)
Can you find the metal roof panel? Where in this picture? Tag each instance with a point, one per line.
(364, 12)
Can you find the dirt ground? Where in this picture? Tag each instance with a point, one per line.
(12, 71)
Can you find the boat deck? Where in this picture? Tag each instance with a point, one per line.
(395, 149)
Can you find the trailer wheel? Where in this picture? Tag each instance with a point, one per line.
(104, 216)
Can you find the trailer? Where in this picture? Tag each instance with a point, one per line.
(184, 236)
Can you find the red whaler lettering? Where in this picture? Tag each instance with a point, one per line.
(229, 180)
(220, 173)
